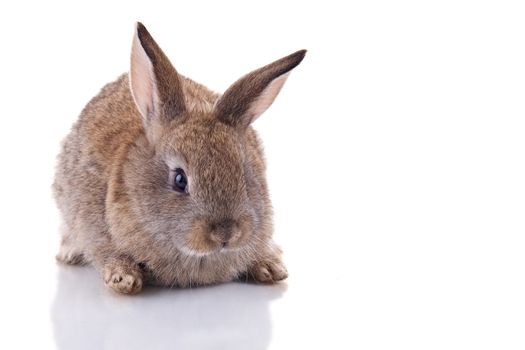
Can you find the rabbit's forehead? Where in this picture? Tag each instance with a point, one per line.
(204, 146)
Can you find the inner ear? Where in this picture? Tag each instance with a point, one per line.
(251, 95)
(155, 84)
(142, 81)
(265, 99)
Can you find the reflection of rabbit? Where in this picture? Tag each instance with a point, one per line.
(229, 316)
(162, 179)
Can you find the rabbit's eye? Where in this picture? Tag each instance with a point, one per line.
(180, 182)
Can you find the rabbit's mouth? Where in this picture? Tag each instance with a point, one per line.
(216, 238)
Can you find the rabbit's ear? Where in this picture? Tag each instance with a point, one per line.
(155, 84)
(251, 95)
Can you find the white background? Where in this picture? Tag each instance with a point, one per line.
(396, 168)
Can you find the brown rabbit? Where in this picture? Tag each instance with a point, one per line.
(162, 181)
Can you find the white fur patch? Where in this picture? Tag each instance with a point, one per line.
(191, 252)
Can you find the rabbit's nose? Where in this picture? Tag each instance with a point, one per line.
(224, 232)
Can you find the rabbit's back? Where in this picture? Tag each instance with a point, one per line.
(108, 121)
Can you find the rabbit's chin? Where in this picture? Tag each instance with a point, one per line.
(198, 254)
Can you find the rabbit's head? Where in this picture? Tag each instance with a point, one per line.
(196, 180)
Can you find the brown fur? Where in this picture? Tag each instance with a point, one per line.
(235, 102)
(113, 181)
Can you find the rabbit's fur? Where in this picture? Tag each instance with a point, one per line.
(114, 179)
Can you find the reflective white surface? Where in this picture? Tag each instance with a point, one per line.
(230, 316)
(395, 163)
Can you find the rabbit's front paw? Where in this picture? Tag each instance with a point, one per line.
(70, 256)
(123, 279)
(69, 253)
(268, 271)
